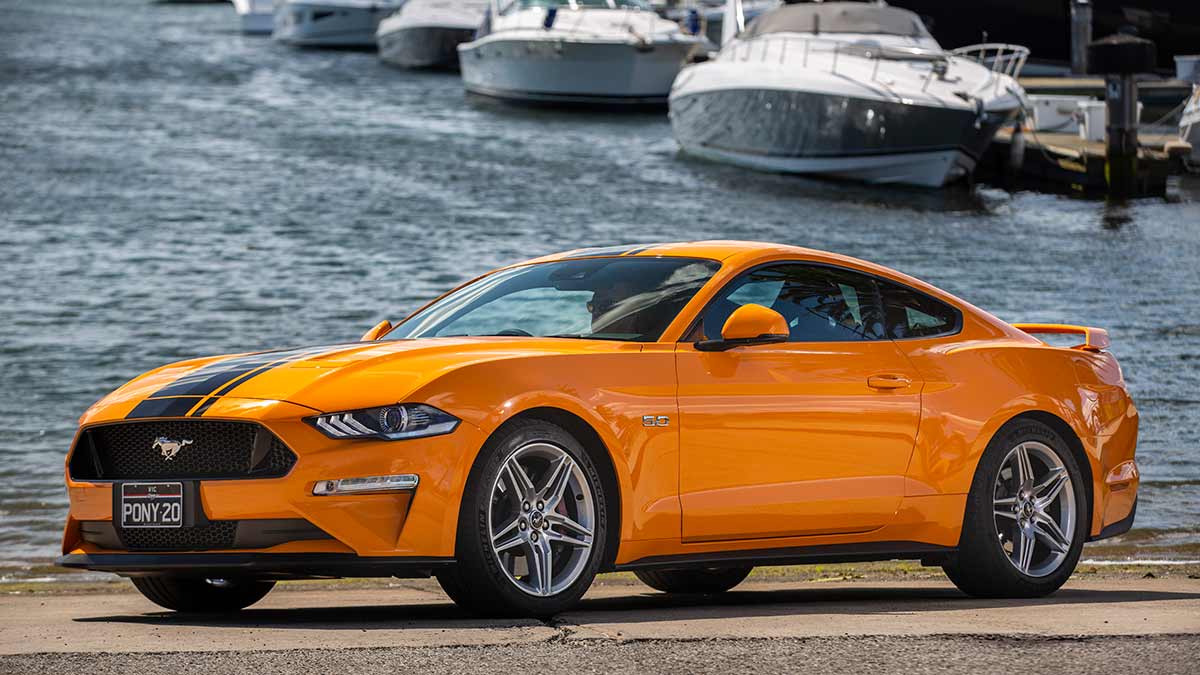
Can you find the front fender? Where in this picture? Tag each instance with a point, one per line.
(611, 393)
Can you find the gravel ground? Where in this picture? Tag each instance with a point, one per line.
(933, 654)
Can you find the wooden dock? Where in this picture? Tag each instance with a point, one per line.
(1059, 162)
(1159, 96)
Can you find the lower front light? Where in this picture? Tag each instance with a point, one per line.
(346, 486)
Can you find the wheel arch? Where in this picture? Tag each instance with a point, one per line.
(587, 435)
(1074, 443)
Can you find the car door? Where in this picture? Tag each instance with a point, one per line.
(810, 436)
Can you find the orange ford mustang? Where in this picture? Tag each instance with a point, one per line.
(684, 411)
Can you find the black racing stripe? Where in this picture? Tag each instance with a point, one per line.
(208, 402)
(164, 407)
(220, 377)
(208, 379)
(206, 405)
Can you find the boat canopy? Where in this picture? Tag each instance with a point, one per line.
(838, 17)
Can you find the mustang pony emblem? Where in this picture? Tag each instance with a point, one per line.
(169, 447)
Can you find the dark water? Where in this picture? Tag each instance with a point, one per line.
(170, 188)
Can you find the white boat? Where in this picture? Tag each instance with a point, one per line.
(846, 89)
(1189, 125)
(426, 33)
(257, 17)
(576, 51)
(330, 23)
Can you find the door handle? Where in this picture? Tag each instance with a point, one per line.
(888, 381)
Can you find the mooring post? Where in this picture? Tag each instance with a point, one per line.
(1119, 58)
(1081, 35)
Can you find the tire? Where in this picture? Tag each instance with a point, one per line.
(202, 595)
(707, 580)
(490, 582)
(987, 563)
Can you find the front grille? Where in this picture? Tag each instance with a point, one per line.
(218, 449)
(211, 536)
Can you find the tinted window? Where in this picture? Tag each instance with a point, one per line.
(820, 304)
(630, 298)
(910, 313)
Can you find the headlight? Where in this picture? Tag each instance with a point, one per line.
(389, 422)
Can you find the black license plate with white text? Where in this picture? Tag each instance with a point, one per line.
(151, 505)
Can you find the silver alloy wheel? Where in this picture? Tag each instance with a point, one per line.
(1034, 506)
(542, 518)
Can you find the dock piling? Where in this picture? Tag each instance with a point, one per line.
(1119, 58)
(1081, 35)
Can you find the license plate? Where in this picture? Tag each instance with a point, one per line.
(151, 505)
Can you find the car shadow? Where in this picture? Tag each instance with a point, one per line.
(647, 607)
(841, 601)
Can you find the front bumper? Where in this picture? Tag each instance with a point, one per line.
(394, 527)
(258, 565)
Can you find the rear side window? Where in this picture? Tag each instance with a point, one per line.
(912, 314)
(819, 303)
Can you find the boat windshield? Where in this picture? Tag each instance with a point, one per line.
(838, 17)
(611, 4)
(632, 299)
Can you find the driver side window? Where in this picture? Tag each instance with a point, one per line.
(819, 303)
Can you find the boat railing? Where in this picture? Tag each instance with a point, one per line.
(760, 48)
(1001, 58)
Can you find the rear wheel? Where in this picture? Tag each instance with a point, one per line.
(202, 595)
(1026, 517)
(707, 580)
(531, 534)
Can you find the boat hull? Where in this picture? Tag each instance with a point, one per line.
(313, 25)
(609, 73)
(1189, 126)
(874, 141)
(257, 24)
(434, 47)
(255, 17)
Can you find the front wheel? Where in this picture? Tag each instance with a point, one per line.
(707, 580)
(531, 534)
(202, 595)
(1026, 517)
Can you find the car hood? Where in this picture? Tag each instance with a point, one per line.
(323, 378)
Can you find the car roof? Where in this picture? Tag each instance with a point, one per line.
(743, 254)
(712, 249)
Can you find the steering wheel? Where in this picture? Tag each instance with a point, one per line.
(515, 332)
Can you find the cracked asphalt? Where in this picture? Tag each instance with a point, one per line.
(846, 626)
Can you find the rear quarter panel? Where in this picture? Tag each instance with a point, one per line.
(974, 384)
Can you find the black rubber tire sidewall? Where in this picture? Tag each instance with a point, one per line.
(197, 595)
(476, 582)
(699, 580)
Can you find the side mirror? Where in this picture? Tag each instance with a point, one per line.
(377, 332)
(748, 325)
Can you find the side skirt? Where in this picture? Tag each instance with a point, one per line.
(800, 555)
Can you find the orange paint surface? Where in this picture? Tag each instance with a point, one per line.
(773, 445)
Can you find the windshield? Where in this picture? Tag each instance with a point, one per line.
(631, 299)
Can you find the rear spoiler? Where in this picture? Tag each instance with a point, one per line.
(1094, 339)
